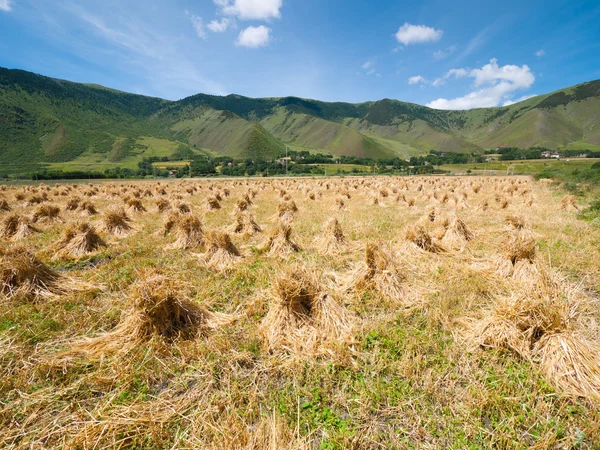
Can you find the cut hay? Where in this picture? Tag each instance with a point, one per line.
(381, 271)
(456, 234)
(169, 223)
(303, 318)
(79, 240)
(279, 242)
(332, 239)
(158, 308)
(212, 203)
(116, 221)
(88, 209)
(4, 206)
(135, 205)
(286, 211)
(22, 273)
(420, 237)
(162, 205)
(245, 224)
(515, 248)
(46, 213)
(542, 324)
(220, 252)
(241, 206)
(189, 232)
(184, 208)
(72, 204)
(568, 203)
(16, 227)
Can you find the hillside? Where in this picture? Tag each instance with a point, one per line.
(65, 124)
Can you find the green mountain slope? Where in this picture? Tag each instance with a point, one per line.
(49, 121)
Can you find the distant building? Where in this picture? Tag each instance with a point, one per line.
(555, 156)
(546, 154)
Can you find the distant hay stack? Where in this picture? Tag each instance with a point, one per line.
(544, 324)
(15, 227)
(421, 238)
(23, 274)
(135, 205)
(456, 234)
(381, 271)
(212, 203)
(79, 240)
(303, 318)
(286, 211)
(116, 221)
(46, 213)
(568, 203)
(220, 252)
(189, 232)
(332, 239)
(279, 242)
(162, 205)
(72, 204)
(241, 206)
(88, 209)
(245, 224)
(159, 309)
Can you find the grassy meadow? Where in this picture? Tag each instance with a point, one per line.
(354, 313)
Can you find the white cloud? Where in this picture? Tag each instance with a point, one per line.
(416, 80)
(254, 37)
(219, 26)
(415, 34)
(443, 54)
(499, 85)
(540, 53)
(520, 99)
(456, 73)
(368, 64)
(198, 25)
(251, 9)
(5, 5)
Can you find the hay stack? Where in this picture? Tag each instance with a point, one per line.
(189, 232)
(456, 234)
(568, 203)
(332, 239)
(286, 211)
(419, 236)
(46, 213)
(21, 273)
(136, 205)
(544, 324)
(157, 309)
(381, 271)
(245, 224)
(162, 205)
(72, 204)
(78, 240)
(279, 242)
(220, 252)
(88, 209)
(212, 203)
(116, 221)
(16, 227)
(303, 318)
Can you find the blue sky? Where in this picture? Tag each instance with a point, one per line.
(448, 55)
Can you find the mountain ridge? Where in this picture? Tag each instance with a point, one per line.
(46, 120)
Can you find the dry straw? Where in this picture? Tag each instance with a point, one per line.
(543, 324)
(23, 274)
(79, 240)
(220, 253)
(158, 308)
(381, 271)
(303, 317)
(279, 242)
(16, 227)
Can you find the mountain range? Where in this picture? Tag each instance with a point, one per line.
(58, 123)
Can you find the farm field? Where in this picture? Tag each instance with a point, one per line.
(530, 166)
(388, 312)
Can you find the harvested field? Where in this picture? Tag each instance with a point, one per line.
(384, 312)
